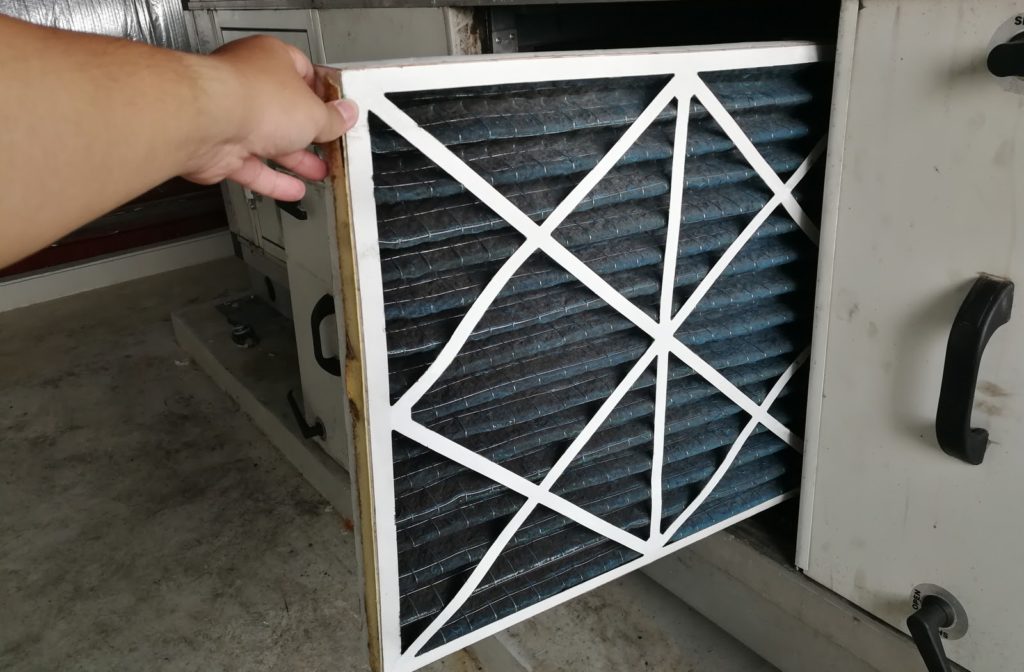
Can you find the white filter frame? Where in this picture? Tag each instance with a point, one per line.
(368, 85)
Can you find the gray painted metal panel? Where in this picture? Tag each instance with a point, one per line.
(930, 197)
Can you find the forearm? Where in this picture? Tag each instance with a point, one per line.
(88, 122)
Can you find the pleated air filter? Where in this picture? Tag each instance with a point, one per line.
(578, 293)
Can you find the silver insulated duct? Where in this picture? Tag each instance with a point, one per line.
(159, 22)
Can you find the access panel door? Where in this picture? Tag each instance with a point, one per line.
(930, 197)
(579, 291)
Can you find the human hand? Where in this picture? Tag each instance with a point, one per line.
(261, 106)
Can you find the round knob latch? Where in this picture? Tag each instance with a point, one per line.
(1007, 59)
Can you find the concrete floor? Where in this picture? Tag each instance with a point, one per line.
(146, 524)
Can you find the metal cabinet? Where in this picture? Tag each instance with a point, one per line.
(927, 182)
(924, 166)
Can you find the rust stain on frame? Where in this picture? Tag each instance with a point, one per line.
(328, 87)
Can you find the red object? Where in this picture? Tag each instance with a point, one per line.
(173, 210)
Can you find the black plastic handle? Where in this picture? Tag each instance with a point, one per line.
(924, 625)
(323, 309)
(1007, 59)
(307, 430)
(293, 208)
(985, 309)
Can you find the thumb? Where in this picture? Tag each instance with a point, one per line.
(339, 116)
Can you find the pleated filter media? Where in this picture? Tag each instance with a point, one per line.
(585, 285)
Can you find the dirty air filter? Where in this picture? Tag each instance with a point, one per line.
(584, 289)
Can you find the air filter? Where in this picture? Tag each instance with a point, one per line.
(578, 293)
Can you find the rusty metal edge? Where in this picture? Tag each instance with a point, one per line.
(328, 87)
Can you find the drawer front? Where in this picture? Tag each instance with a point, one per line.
(929, 198)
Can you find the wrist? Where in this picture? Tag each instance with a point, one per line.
(217, 115)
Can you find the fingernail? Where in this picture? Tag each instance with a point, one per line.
(349, 110)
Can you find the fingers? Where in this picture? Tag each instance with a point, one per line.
(262, 179)
(302, 64)
(279, 115)
(339, 116)
(303, 163)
